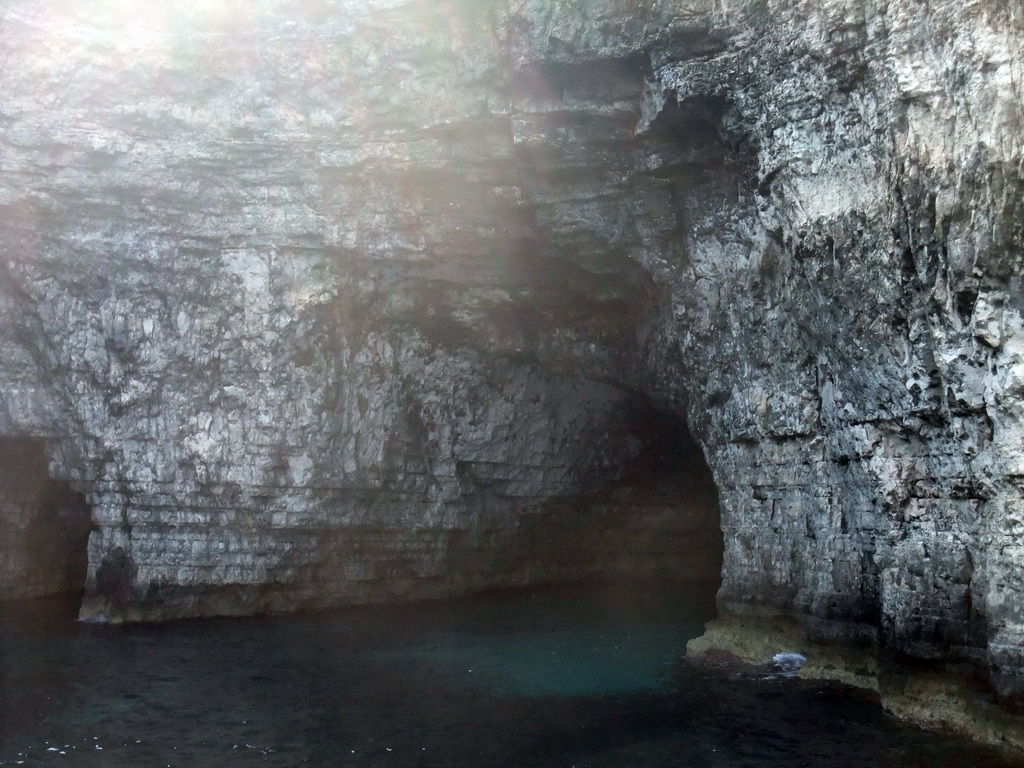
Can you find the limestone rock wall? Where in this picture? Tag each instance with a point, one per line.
(863, 407)
(850, 281)
(288, 289)
(338, 300)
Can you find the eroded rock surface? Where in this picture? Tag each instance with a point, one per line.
(313, 313)
(338, 300)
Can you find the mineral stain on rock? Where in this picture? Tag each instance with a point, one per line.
(359, 301)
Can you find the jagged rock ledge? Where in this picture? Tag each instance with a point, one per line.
(936, 694)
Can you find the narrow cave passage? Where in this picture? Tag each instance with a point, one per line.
(44, 527)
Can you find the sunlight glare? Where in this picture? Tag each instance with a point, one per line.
(138, 26)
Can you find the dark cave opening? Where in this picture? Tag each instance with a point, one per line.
(655, 520)
(44, 527)
(664, 505)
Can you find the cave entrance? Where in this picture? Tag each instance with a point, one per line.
(656, 520)
(44, 527)
(662, 511)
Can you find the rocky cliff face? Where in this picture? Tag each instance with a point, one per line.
(341, 300)
(309, 320)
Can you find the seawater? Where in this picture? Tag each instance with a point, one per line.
(573, 677)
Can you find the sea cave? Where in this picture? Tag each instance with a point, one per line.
(368, 306)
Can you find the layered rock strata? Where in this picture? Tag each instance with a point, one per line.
(345, 300)
(291, 298)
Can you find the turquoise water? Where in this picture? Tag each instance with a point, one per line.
(561, 642)
(558, 677)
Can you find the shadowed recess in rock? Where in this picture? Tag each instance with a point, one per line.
(44, 526)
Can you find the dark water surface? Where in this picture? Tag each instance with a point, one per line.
(555, 677)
